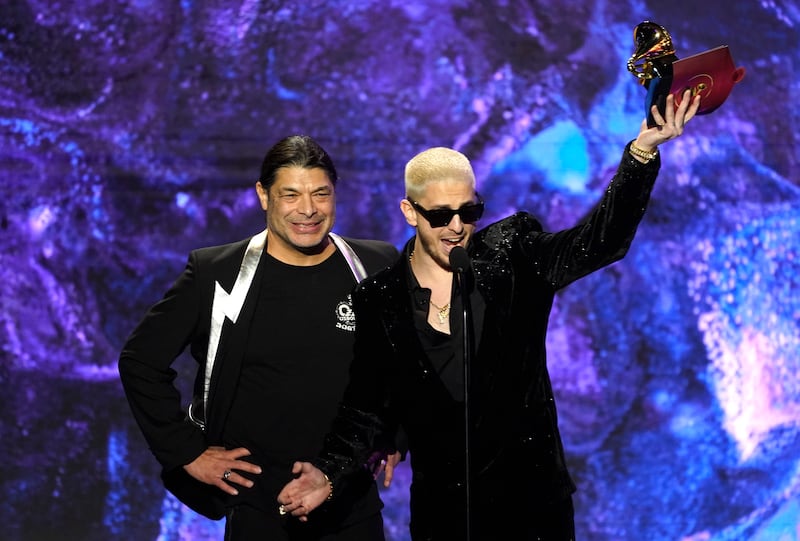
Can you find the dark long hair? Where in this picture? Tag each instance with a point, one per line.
(295, 151)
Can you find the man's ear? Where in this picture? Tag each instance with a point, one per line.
(409, 212)
(263, 195)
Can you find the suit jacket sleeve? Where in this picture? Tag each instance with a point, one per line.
(377, 255)
(148, 379)
(602, 237)
(363, 424)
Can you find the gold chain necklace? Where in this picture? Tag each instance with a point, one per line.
(443, 312)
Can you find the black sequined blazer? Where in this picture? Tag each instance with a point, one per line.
(515, 441)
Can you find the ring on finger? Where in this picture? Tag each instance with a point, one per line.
(226, 475)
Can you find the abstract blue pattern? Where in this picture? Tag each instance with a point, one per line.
(132, 132)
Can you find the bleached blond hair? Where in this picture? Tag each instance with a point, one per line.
(433, 165)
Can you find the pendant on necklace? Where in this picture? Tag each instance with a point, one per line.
(443, 312)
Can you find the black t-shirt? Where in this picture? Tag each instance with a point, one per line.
(295, 367)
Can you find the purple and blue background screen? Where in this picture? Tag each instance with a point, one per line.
(132, 132)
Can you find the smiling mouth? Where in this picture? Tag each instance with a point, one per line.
(301, 225)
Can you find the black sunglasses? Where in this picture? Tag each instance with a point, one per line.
(441, 217)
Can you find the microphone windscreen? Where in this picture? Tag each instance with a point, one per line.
(459, 259)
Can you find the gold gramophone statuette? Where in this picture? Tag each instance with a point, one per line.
(654, 53)
(651, 62)
(709, 74)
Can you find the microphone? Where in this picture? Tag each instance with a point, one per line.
(459, 260)
(462, 267)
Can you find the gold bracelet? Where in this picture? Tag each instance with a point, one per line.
(642, 153)
(330, 485)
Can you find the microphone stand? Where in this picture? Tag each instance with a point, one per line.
(461, 265)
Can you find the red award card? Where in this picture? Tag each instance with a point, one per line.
(711, 74)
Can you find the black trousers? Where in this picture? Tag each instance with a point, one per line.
(245, 523)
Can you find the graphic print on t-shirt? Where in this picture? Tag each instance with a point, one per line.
(346, 319)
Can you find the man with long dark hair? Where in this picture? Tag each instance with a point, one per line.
(269, 321)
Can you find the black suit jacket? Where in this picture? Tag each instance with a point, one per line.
(183, 319)
(515, 442)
